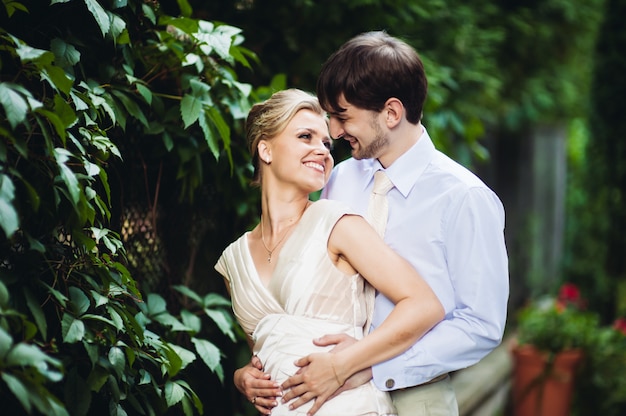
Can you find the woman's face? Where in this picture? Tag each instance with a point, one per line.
(300, 154)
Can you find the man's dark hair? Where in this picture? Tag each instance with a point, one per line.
(368, 70)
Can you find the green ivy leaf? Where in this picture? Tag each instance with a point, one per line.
(100, 15)
(116, 318)
(53, 119)
(186, 356)
(223, 321)
(6, 341)
(214, 299)
(9, 220)
(14, 104)
(67, 176)
(64, 111)
(156, 304)
(130, 106)
(79, 300)
(191, 395)
(118, 26)
(26, 355)
(175, 361)
(117, 359)
(191, 321)
(18, 389)
(39, 57)
(38, 315)
(145, 377)
(187, 25)
(210, 354)
(209, 137)
(169, 320)
(60, 297)
(173, 393)
(73, 329)
(57, 78)
(190, 109)
(189, 293)
(11, 6)
(218, 39)
(98, 299)
(65, 54)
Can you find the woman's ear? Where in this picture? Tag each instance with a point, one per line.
(265, 152)
(393, 111)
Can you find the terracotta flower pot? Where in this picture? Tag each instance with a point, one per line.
(541, 386)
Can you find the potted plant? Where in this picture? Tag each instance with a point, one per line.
(553, 335)
(602, 387)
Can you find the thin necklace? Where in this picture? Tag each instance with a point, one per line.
(269, 252)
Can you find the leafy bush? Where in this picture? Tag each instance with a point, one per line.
(82, 83)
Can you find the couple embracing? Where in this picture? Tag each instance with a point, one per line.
(363, 302)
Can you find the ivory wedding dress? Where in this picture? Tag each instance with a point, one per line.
(307, 297)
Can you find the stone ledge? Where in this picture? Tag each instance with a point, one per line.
(482, 389)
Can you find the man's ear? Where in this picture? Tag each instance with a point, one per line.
(265, 151)
(393, 112)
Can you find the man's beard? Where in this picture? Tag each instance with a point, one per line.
(372, 150)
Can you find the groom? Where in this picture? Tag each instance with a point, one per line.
(442, 218)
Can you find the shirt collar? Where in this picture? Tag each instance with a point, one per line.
(405, 171)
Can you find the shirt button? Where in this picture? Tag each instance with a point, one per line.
(390, 383)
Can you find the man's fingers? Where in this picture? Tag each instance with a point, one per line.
(330, 339)
(264, 404)
(256, 363)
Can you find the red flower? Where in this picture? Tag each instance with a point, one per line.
(620, 325)
(569, 293)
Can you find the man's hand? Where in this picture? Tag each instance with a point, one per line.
(304, 391)
(257, 386)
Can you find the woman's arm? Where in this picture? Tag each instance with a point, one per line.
(416, 311)
(417, 308)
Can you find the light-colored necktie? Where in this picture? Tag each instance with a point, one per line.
(378, 208)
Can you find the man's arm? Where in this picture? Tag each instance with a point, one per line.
(257, 386)
(475, 310)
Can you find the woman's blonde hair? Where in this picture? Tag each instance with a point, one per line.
(268, 119)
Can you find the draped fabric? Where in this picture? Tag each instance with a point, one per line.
(307, 297)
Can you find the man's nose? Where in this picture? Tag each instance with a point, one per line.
(335, 128)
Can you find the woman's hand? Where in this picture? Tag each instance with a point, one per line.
(340, 342)
(257, 386)
(316, 379)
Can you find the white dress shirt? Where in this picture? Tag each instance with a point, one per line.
(450, 226)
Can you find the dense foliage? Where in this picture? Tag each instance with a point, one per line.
(489, 64)
(597, 215)
(86, 87)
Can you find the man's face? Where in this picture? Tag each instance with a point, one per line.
(361, 128)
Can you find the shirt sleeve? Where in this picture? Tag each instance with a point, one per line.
(477, 263)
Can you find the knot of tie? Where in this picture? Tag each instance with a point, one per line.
(382, 184)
